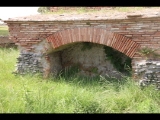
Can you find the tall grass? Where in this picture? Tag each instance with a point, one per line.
(72, 94)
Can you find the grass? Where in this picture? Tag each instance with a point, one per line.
(4, 30)
(72, 94)
(33, 94)
(128, 9)
(82, 10)
(61, 11)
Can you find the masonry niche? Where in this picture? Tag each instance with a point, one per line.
(80, 58)
(90, 59)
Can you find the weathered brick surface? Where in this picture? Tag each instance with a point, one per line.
(5, 39)
(140, 31)
(124, 35)
(113, 40)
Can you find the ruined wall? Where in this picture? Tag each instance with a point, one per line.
(29, 62)
(147, 72)
(5, 41)
(28, 34)
(144, 31)
(90, 61)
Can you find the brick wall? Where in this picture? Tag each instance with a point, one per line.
(6, 42)
(145, 32)
(5, 39)
(141, 31)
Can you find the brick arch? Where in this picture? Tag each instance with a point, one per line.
(94, 35)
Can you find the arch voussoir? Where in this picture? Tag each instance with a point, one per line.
(95, 35)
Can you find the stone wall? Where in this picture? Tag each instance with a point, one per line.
(148, 72)
(29, 62)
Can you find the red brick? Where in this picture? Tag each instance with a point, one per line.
(36, 31)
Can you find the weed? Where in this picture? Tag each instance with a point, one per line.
(148, 52)
(31, 94)
(121, 62)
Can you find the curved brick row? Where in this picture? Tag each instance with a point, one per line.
(94, 35)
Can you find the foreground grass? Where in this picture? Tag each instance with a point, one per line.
(4, 30)
(32, 94)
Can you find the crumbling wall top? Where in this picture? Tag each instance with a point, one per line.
(89, 16)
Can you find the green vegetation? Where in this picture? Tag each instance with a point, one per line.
(81, 10)
(121, 62)
(43, 9)
(86, 46)
(72, 94)
(148, 52)
(128, 9)
(4, 30)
